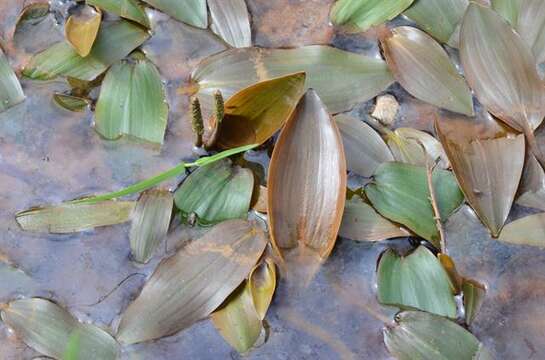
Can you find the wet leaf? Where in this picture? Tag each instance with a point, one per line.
(529, 230)
(415, 281)
(449, 266)
(416, 147)
(365, 150)
(114, 41)
(361, 15)
(400, 193)
(501, 69)
(50, 330)
(81, 29)
(362, 223)
(262, 284)
(72, 217)
(509, 9)
(191, 284)
(71, 103)
(216, 192)
(307, 180)
(474, 294)
(231, 21)
(419, 335)
(532, 186)
(342, 79)
(11, 92)
(438, 18)
(257, 112)
(150, 221)
(259, 201)
(132, 102)
(531, 26)
(128, 9)
(192, 12)
(424, 69)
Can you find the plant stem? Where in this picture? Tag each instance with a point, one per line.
(436, 213)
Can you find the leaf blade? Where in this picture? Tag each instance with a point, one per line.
(529, 230)
(10, 87)
(128, 9)
(365, 14)
(192, 12)
(230, 20)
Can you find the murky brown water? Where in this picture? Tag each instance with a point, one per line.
(48, 155)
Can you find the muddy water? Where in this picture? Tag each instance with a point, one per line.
(48, 155)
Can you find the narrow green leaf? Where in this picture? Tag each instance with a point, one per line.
(231, 21)
(415, 281)
(69, 217)
(71, 103)
(509, 9)
(132, 102)
(400, 193)
(52, 331)
(11, 92)
(423, 336)
(192, 12)
(150, 221)
(128, 9)
(529, 230)
(216, 192)
(362, 14)
(114, 41)
(474, 294)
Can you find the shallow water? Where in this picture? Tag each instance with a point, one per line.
(48, 155)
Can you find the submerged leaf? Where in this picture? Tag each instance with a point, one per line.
(474, 294)
(74, 217)
(529, 230)
(415, 281)
(419, 335)
(365, 150)
(400, 192)
(532, 186)
(342, 79)
(424, 69)
(114, 41)
(262, 284)
(192, 12)
(231, 21)
(191, 284)
(362, 14)
(509, 9)
(128, 9)
(51, 330)
(11, 92)
(307, 180)
(150, 222)
(416, 147)
(216, 192)
(81, 29)
(531, 26)
(362, 223)
(132, 102)
(71, 103)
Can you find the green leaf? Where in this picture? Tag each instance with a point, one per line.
(71, 103)
(341, 79)
(509, 9)
(216, 192)
(73, 217)
(128, 9)
(400, 193)
(150, 222)
(474, 294)
(231, 21)
(11, 92)
(114, 41)
(362, 14)
(132, 102)
(423, 336)
(195, 281)
(415, 281)
(529, 230)
(192, 12)
(52, 331)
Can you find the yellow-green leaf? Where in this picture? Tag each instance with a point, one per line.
(262, 284)
(128, 9)
(192, 12)
(81, 29)
(362, 14)
(11, 92)
(529, 230)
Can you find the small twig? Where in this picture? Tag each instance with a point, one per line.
(433, 200)
(104, 297)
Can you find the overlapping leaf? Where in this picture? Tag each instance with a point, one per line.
(192, 12)
(81, 29)
(509, 9)
(231, 21)
(262, 284)
(474, 294)
(11, 92)
(307, 180)
(531, 26)
(416, 147)
(362, 14)
(529, 230)
(342, 79)
(71, 103)
(128, 9)
(532, 185)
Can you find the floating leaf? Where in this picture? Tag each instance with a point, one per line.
(501, 69)
(255, 113)
(150, 221)
(128, 9)
(72, 217)
(449, 266)
(415, 281)
(191, 284)
(262, 283)
(438, 18)
(365, 150)
(416, 147)
(216, 192)
(362, 14)
(531, 26)
(114, 41)
(231, 21)
(307, 180)
(529, 230)
(509, 9)
(474, 294)
(419, 335)
(532, 186)
(71, 103)
(50, 330)
(400, 192)
(342, 79)
(192, 12)
(11, 92)
(132, 102)
(424, 69)
(81, 29)
(362, 223)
